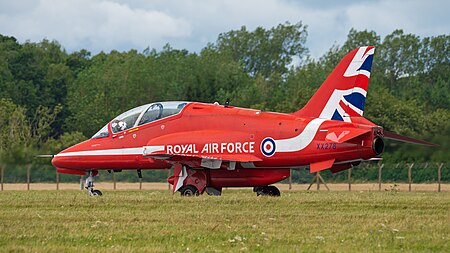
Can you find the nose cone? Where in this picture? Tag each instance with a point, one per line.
(61, 161)
(57, 162)
(68, 158)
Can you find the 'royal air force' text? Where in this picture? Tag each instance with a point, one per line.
(213, 148)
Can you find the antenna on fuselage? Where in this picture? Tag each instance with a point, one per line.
(227, 103)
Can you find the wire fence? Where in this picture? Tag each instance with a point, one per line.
(375, 173)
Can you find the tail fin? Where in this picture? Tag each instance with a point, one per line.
(343, 93)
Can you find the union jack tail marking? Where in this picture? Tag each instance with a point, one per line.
(343, 93)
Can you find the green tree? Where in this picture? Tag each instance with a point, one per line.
(265, 52)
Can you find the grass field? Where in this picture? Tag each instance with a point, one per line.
(422, 187)
(238, 221)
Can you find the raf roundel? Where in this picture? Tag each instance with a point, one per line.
(268, 147)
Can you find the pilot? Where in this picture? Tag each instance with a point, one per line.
(122, 125)
(118, 125)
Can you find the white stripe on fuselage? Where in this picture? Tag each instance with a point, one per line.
(119, 151)
(300, 141)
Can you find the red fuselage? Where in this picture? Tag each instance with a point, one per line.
(234, 134)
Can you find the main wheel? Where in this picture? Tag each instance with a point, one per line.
(267, 191)
(96, 193)
(259, 190)
(273, 191)
(189, 190)
(211, 191)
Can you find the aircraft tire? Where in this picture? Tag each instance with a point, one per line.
(267, 191)
(259, 190)
(96, 193)
(273, 191)
(189, 190)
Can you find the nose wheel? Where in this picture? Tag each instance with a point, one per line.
(90, 185)
(95, 193)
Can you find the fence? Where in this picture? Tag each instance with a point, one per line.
(316, 179)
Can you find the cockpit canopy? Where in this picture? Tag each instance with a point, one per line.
(141, 115)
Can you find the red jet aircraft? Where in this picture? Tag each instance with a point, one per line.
(211, 146)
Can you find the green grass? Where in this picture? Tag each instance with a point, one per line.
(157, 221)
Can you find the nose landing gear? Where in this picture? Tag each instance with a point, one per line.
(90, 184)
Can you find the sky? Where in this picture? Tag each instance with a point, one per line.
(105, 25)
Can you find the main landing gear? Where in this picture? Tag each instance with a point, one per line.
(194, 182)
(191, 182)
(189, 190)
(90, 184)
(267, 191)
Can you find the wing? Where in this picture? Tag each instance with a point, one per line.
(204, 161)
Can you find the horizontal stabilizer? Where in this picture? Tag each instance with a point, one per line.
(402, 138)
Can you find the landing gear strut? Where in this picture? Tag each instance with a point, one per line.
(90, 184)
(267, 191)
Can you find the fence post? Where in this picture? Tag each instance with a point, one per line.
(168, 175)
(81, 182)
(114, 179)
(290, 179)
(139, 172)
(439, 175)
(318, 181)
(2, 174)
(57, 180)
(380, 167)
(350, 179)
(410, 174)
(28, 176)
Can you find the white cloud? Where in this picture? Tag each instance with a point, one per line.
(97, 25)
(425, 18)
(126, 24)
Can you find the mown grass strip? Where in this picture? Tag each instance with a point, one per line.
(158, 221)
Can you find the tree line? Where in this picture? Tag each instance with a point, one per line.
(51, 99)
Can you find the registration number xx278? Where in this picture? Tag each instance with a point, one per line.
(326, 145)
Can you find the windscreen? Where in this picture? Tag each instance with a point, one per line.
(127, 119)
(141, 115)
